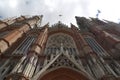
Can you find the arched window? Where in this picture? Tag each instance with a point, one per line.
(54, 42)
(95, 46)
(25, 45)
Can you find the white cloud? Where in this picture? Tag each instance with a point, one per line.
(109, 9)
(68, 8)
(13, 3)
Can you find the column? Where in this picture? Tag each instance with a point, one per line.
(18, 64)
(107, 67)
(33, 67)
(39, 43)
(76, 38)
(4, 67)
(28, 66)
(6, 70)
(6, 62)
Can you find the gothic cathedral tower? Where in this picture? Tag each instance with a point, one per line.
(29, 51)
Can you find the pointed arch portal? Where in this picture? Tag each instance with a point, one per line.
(63, 74)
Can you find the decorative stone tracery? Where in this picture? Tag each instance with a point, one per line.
(54, 43)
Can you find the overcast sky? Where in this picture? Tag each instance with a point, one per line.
(51, 9)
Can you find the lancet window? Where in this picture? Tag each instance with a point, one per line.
(95, 46)
(25, 45)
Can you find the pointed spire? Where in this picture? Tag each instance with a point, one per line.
(46, 25)
(72, 25)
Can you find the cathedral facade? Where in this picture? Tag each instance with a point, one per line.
(29, 51)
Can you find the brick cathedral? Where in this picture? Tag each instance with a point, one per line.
(29, 51)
